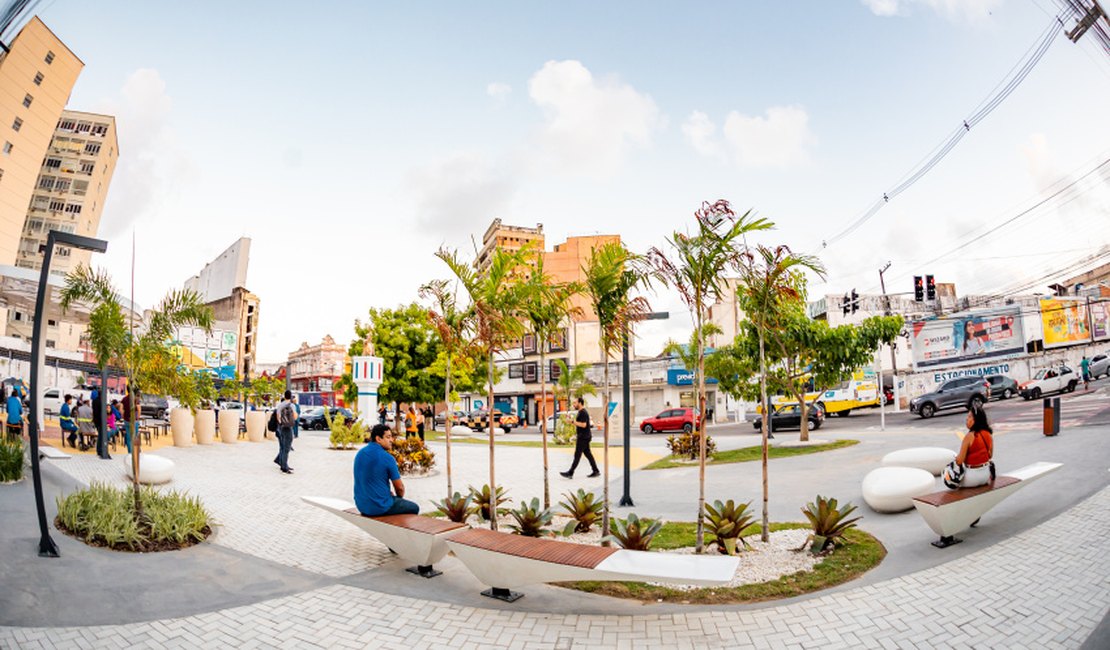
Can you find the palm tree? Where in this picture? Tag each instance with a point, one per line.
(572, 382)
(612, 274)
(701, 261)
(143, 353)
(545, 306)
(772, 279)
(495, 300)
(452, 325)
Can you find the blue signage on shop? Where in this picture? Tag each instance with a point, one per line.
(684, 377)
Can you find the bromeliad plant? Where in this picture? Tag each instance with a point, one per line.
(725, 522)
(584, 508)
(482, 501)
(829, 523)
(531, 519)
(688, 445)
(633, 534)
(11, 459)
(456, 507)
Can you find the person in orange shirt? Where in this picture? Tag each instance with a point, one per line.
(977, 450)
(410, 421)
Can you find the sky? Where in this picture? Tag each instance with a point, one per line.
(351, 140)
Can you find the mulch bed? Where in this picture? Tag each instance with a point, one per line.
(144, 545)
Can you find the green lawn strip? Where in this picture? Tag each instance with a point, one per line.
(861, 553)
(469, 440)
(746, 454)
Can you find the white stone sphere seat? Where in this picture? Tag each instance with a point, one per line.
(930, 459)
(153, 469)
(460, 430)
(892, 489)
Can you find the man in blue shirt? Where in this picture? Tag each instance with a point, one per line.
(69, 425)
(15, 414)
(375, 470)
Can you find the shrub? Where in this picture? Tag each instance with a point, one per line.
(531, 520)
(565, 433)
(633, 534)
(482, 501)
(105, 516)
(456, 507)
(829, 523)
(686, 445)
(412, 456)
(726, 521)
(584, 507)
(344, 435)
(11, 459)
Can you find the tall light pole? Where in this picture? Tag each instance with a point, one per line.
(626, 390)
(47, 546)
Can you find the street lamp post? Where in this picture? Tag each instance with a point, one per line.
(47, 546)
(626, 498)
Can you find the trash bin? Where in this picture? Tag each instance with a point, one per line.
(1051, 416)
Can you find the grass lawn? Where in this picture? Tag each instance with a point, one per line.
(861, 553)
(746, 454)
(483, 439)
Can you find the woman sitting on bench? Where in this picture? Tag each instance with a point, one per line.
(976, 451)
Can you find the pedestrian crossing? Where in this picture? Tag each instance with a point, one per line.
(1084, 410)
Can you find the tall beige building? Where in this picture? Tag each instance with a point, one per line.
(509, 238)
(37, 74)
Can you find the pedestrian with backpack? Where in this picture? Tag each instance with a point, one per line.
(286, 419)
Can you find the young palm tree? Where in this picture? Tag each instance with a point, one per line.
(452, 324)
(772, 280)
(612, 274)
(572, 383)
(701, 261)
(495, 300)
(546, 305)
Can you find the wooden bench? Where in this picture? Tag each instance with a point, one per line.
(953, 511)
(503, 561)
(413, 537)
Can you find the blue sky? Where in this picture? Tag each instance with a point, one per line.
(352, 140)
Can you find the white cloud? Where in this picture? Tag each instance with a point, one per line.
(882, 7)
(955, 10)
(460, 194)
(590, 123)
(777, 139)
(499, 92)
(700, 132)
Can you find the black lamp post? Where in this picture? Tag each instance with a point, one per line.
(47, 547)
(626, 390)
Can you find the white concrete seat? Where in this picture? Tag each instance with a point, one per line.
(503, 561)
(460, 430)
(153, 469)
(412, 537)
(892, 489)
(930, 459)
(952, 511)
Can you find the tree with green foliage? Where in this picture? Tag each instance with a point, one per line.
(495, 296)
(407, 343)
(697, 272)
(572, 383)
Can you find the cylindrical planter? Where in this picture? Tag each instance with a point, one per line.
(204, 426)
(229, 426)
(256, 425)
(181, 425)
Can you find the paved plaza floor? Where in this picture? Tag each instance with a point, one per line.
(278, 572)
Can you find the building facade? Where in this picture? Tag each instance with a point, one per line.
(316, 368)
(239, 313)
(509, 238)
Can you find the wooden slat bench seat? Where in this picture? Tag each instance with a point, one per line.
(503, 561)
(953, 511)
(413, 537)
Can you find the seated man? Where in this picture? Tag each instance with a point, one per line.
(375, 470)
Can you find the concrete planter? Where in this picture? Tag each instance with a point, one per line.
(256, 425)
(181, 426)
(204, 426)
(229, 426)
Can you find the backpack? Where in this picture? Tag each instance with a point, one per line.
(273, 423)
(287, 415)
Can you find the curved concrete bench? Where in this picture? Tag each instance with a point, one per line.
(153, 469)
(930, 459)
(413, 537)
(892, 489)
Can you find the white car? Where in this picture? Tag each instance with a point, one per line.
(53, 397)
(1100, 365)
(1049, 380)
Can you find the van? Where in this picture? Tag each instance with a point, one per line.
(53, 397)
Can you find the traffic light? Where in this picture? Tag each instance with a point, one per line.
(846, 305)
(930, 288)
(855, 301)
(918, 288)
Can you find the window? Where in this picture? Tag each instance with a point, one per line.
(57, 205)
(46, 182)
(67, 227)
(558, 342)
(84, 127)
(63, 252)
(49, 58)
(516, 370)
(62, 185)
(49, 343)
(34, 225)
(80, 187)
(528, 344)
(53, 163)
(7, 148)
(17, 124)
(554, 371)
(51, 323)
(27, 99)
(92, 148)
(531, 372)
(73, 208)
(17, 315)
(67, 125)
(99, 129)
(87, 168)
(38, 78)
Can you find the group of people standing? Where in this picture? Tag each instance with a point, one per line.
(417, 418)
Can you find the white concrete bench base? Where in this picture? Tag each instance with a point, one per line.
(46, 451)
(892, 489)
(930, 459)
(954, 511)
(153, 469)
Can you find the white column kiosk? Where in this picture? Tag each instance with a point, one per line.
(367, 373)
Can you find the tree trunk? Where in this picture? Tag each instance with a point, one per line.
(605, 450)
(543, 427)
(765, 535)
(492, 479)
(804, 437)
(136, 444)
(396, 418)
(447, 421)
(700, 541)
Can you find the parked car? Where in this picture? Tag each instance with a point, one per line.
(154, 406)
(458, 417)
(1048, 380)
(790, 417)
(313, 417)
(52, 398)
(964, 392)
(478, 420)
(680, 419)
(1002, 387)
(1100, 365)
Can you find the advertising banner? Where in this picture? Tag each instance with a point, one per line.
(1064, 321)
(1100, 318)
(970, 338)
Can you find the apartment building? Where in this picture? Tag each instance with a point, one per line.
(509, 238)
(316, 368)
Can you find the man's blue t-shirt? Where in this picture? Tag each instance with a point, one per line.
(65, 415)
(374, 469)
(15, 410)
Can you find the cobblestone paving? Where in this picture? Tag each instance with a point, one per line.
(1046, 588)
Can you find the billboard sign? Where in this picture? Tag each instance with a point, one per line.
(684, 377)
(1100, 318)
(1064, 322)
(967, 338)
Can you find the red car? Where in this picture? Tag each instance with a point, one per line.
(681, 419)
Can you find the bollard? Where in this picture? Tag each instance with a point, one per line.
(1051, 416)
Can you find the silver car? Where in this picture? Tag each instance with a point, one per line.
(1100, 365)
(964, 392)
